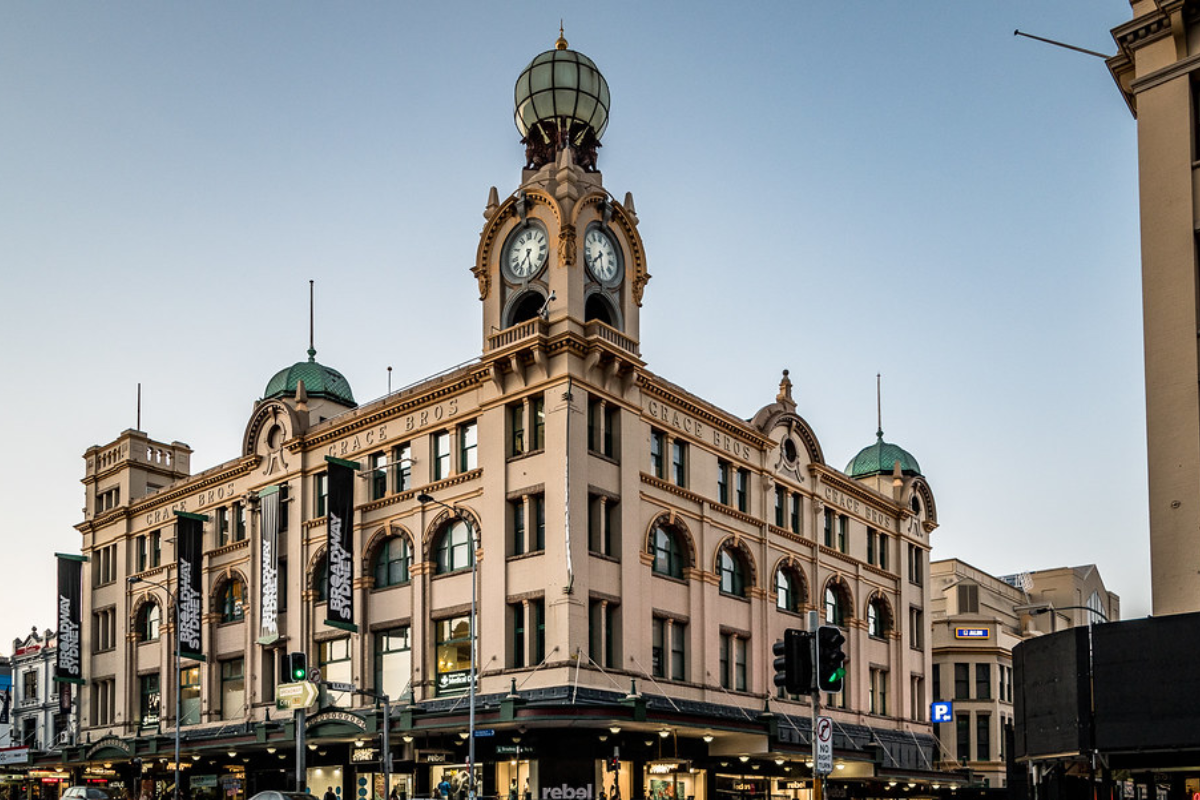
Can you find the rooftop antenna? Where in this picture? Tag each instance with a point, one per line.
(139, 407)
(389, 380)
(1059, 44)
(878, 407)
(312, 351)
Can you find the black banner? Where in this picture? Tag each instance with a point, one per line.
(189, 556)
(268, 584)
(69, 666)
(339, 526)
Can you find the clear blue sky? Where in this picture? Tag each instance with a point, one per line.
(838, 189)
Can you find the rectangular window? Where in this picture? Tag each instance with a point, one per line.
(983, 737)
(658, 653)
(441, 455)
(285, 505)
(29, 685)
(156, 548)
(104, 701)
(379, 475)
(538, 539)
(828, 528)
(189, 696)
(104, 630)
(842, 537)
(678, 667)
(149, 699)
(724, 468)
(281, 586)
(333, 657)
(962, 725)
(516, 428)
(739, 664)
(468, 447)
(743, 490)
(916, 571)
(658, 443)
(516, 510)
(962, 681)
(780, 506)
(239, 521)
(878, 699)
(968, 598)
(142, 555)
(917, 694)
(393, 662)
(796, 525)
(537, 414)
(983, 681)
(602, 632)
(402, 464)
(603, 516)
(233, 688)
(679, 462)
(221, 526)
(453, 654)
(602, 427)
(537, 626)
(916, 628)
(519, 633)
(937, 682)
(870, 545)
(884, 543)
(320, 493)
(726, 665)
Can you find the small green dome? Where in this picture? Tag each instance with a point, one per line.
(880, 459)
(319, 381)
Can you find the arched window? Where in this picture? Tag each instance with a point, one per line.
(731, 569)
(233, 597)
(526, 308)
(835, 606)
(598, 308)
(667, 548)
(789, 589)
(149, 619)
(452, 551)
(320, 578)
(879, 618)
(392, 562)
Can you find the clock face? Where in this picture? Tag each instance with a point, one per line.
(526, 253)
(601, 256)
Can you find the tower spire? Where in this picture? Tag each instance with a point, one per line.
(878, 408)
(561, 44)
(312, 351)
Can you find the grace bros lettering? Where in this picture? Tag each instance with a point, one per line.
(694, 427)
(403, 427)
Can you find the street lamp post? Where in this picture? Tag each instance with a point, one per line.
(423, 499)
(174, 597)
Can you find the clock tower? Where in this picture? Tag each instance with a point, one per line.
(560, 257)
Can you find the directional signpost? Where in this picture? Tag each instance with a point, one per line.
(823, 744)
(295, 695)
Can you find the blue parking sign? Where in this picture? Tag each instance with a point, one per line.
(942, 711)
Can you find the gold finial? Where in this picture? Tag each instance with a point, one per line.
(561, 44)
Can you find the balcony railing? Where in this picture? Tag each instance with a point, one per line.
(522, 330)
(599, 330)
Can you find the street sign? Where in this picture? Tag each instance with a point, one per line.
(823, 744)
(295, 695)
(941, 711)
(484, 732)
(339, 687)
(972, 633)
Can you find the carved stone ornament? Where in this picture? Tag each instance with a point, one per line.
(566, 246)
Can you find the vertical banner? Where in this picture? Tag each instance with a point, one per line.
(339, 551)
(268, 583)
(69, 667)
(189, 555)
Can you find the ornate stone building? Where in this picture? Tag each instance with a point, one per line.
(638, 551)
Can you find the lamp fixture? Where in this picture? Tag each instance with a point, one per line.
(195, 756)
(463, 735)
(312, 747)
(359, 743)
(320, 752)
(891, 784)
(516, 739)
(911, 785)
(604, 737)
(232, 753)
(282, 756)
(664, 733)
(743, 759)
(754, 766)
(841, 766)
(937, 786)
(724, 763)
(708, 737)
(614, 729)
(648, 742)
(407, 737)
(809, 764)
(108, 765)
(271, 749)
(779, 762)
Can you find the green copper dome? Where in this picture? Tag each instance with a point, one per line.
(319, 381)
(880, 459)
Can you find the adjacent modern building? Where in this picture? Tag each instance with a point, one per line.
(632, 550)
(977, 620)
(1157, 67)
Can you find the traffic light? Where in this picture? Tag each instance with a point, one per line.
(297, 667)
(614, 764)
(793, 662)
(830, 659)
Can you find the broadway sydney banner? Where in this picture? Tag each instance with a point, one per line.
(268, 584)
(69, 667)
(189, 532)
(340, 544)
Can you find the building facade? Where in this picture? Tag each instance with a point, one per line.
(977, 621)
(41, 720)
(1156, 68)
(633, 552)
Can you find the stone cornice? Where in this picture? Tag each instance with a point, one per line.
(671, 488)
